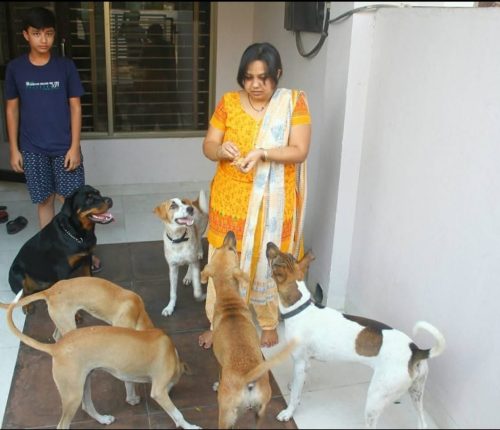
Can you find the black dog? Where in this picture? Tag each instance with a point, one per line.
(62, 247)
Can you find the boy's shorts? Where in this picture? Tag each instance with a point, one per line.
(45, 175)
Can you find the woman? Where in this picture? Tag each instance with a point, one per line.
(260, 138)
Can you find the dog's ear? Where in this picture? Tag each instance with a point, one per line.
(305, 261)
(241, 276)
(206, 273)
(230, 239)
(160, 211)
(271, 250)
(67, 207)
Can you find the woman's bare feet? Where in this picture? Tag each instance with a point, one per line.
(205, 339)
(268, 338)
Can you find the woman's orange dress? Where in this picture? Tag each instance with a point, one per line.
(231, 189)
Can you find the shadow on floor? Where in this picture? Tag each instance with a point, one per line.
(34, 400)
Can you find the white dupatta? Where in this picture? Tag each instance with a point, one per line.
(269, 191)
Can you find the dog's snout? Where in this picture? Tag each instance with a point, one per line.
(109, 201)
(190, 210)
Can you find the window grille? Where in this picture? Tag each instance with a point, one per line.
(160, 54)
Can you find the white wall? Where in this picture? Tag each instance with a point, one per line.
(427, 229)
(234, 34)
(144, 161)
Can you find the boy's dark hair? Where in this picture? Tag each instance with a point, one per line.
(39, 17)
(264, 52)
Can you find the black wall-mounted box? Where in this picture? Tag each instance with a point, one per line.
(304, 16)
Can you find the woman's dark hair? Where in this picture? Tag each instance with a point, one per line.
(39, 17)
(266, 53)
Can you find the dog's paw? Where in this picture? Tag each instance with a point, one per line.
(133, 400)
(168, 310)
(190, 426)
(200, 255)
(106, 419)
(215, 386)
(284, 415)
(200, 298)
(187, 280)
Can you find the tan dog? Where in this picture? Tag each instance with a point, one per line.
(100, 298)
(130, 355)
(328, 335)
(244, 382)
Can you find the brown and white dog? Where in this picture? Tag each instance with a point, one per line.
(244, 381)
(185, 222)
(141, 356)
(100, 298)
(327, 335)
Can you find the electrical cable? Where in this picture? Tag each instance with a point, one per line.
(328, 21)
(324, 35)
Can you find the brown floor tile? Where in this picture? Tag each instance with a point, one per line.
(115, 259)
(207, 417)
(189, 314)
(148, 260)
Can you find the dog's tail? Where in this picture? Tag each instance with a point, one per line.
(263, 367)
(202, 201)
(25, 300)
(45, 347)
(440, 341)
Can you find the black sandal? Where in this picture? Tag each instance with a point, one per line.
(16, 225)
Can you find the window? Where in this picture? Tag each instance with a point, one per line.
(144, 65)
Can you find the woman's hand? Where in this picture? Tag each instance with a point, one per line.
(251, 159)
(227, 151)
(215, 149)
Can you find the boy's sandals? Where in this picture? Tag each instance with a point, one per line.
(16, 225)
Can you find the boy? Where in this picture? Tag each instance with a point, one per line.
(43, 111)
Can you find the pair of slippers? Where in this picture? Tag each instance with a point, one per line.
(14, 226)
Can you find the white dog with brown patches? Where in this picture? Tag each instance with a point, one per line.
(327, 335)
(185, 222)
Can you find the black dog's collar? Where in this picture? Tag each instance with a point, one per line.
(184, 238)
(301, 308)
(78, 239)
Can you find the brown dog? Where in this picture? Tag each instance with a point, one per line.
(129, 355)
(100, 298)
(244, 382)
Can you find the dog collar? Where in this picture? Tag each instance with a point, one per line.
(297, 310)
(184, 238)
(306, 295)
(78, 239)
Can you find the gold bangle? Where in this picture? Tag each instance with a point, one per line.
(265, 155)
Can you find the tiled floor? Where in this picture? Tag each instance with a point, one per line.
(334, 393)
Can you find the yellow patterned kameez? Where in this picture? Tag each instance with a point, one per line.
(231, 190)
